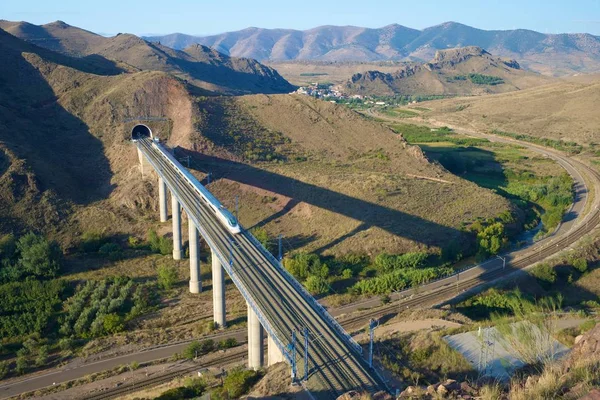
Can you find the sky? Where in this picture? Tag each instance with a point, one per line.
(203, 17)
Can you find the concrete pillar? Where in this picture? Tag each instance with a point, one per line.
(176, 211)
(274, 355)
(218, 288)
(162, 199)
(256, 352)
(195, 284)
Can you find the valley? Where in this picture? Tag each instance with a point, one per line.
(415, 183)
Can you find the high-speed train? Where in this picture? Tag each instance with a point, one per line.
(224, 216)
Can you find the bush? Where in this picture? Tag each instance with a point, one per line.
(239, 381)
(544, 273)
(113, 323)
(167, 276)
(580, 264)
(228, 343)
(316, 285)
(91, 241)
(38, 256)
(42, 356)
(4, 369)
(159, 244)
(177, 394)
(197, 349)
(111, 250)
(263, 237)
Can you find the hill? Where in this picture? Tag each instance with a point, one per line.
(466, 70)
(212, 72)
(327, 178)
(565, 111)
(550, 54)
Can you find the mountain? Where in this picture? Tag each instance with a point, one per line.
(461, 71)
(298, 164)
(551, 54)
(212, 72)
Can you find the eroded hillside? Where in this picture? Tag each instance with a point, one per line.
(325, 177)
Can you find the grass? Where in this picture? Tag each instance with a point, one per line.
(400, 113)
(519, 175)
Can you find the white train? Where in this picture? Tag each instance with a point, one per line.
(226, 218)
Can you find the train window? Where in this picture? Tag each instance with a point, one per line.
(232, 220)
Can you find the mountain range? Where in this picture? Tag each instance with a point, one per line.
(205, 68)
(551, 54)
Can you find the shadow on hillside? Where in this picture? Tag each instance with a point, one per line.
(370, 214)
(64, 156)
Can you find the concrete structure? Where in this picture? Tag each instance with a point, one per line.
(277, 303)
(195, 284)
(274, 355)
(176, 211)
(218, 289)
(256, 352)
(162, 199)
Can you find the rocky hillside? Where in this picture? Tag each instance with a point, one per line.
(327, 178)
(546, 53)
(212, 72)
(460, 71)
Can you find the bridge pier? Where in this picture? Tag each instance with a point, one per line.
(176, 211)
(274, 355)
(256, 353)
(162, 199)
(195, 283)
(218, 289)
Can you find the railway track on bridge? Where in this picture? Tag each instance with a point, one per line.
(335, 367)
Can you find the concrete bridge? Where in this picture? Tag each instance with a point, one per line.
(299, 331)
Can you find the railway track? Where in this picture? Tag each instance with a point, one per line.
(132, 387)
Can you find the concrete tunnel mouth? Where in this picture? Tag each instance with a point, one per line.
(140, 132)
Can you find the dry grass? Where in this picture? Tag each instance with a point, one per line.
(562, 111)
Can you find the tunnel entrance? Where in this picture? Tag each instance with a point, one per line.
(140, 132)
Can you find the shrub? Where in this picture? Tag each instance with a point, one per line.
(4, 369)
(239, 381)
(544, 273)
(196, 348)
(159, 244)
(42, 356)
(91, 241)
(111, 250)
(580, 264)
(167, 276)
(38, 256)
(228, 343)
(316, 285)
(263, 237)
(113, 323)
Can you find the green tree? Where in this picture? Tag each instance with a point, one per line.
(196, 348)
(263, 237)
(316, 285)
(21, 365)
(113, 323)
(42, 356)
(167, 276)
(39, 256)
(491, 239)
(580, 264)
(4, 369)
(545, 273)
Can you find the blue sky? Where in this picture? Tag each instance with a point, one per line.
(212, 16)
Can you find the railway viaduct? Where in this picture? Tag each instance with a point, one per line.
(322, 356)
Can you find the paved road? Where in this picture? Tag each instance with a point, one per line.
(78, 369)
